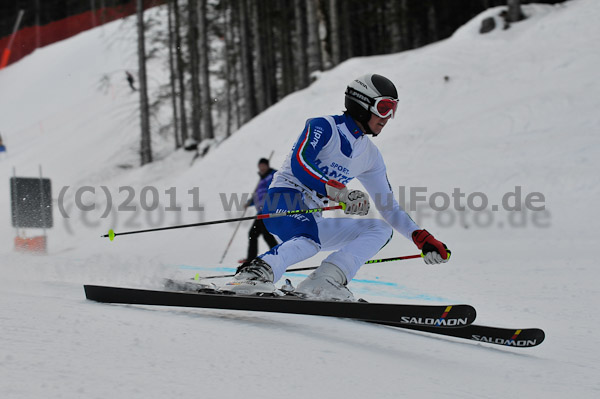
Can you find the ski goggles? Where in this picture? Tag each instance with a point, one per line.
(384, 107)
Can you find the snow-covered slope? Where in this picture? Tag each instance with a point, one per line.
(519, 108)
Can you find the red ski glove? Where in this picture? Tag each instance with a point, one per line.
(434, 251)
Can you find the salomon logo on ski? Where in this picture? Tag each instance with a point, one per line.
(435, 322)
(506, 342)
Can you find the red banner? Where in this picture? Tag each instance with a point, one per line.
(29, 38)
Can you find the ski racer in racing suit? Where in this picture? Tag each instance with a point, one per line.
(330, 152)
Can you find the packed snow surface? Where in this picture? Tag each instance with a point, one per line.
(518, 111)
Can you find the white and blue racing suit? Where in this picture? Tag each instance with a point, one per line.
(331, 147)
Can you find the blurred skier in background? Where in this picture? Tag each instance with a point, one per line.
(2, 148)
(130, 80)
(330, 152)
(265, 172)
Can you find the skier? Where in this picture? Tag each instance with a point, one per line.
(130, 80)
(2, 147)
(330, 152)
(258, 198)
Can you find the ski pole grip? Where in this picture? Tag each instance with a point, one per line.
(448, 252)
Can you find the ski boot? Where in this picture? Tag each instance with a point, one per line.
(255, 278)
(327, 283)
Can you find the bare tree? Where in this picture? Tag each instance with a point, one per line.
(432, 22)
(250, 105)
(404, 23)
(270, 63)
(322, 34)
(334, 32)
(259, 56)
(206, 100)
(313, 45)
(173, 75)
(228, 34)
(194, 68)
(146, 143)
(180, 73)
(301, 43)
(347, 24)
(236, 70)
(285, 50)
(395, 27)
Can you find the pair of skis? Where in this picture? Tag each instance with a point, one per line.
(449, 320)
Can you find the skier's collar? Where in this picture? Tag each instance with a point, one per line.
(353, 127)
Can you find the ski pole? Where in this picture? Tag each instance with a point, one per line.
(111, 234)
(299, 269)
(237, 227)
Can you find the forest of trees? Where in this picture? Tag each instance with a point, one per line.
(261, 50)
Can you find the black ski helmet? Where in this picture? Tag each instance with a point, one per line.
(361, 94)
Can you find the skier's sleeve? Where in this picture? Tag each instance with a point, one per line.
(315, 136)
(377, 185)
(270, 177)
